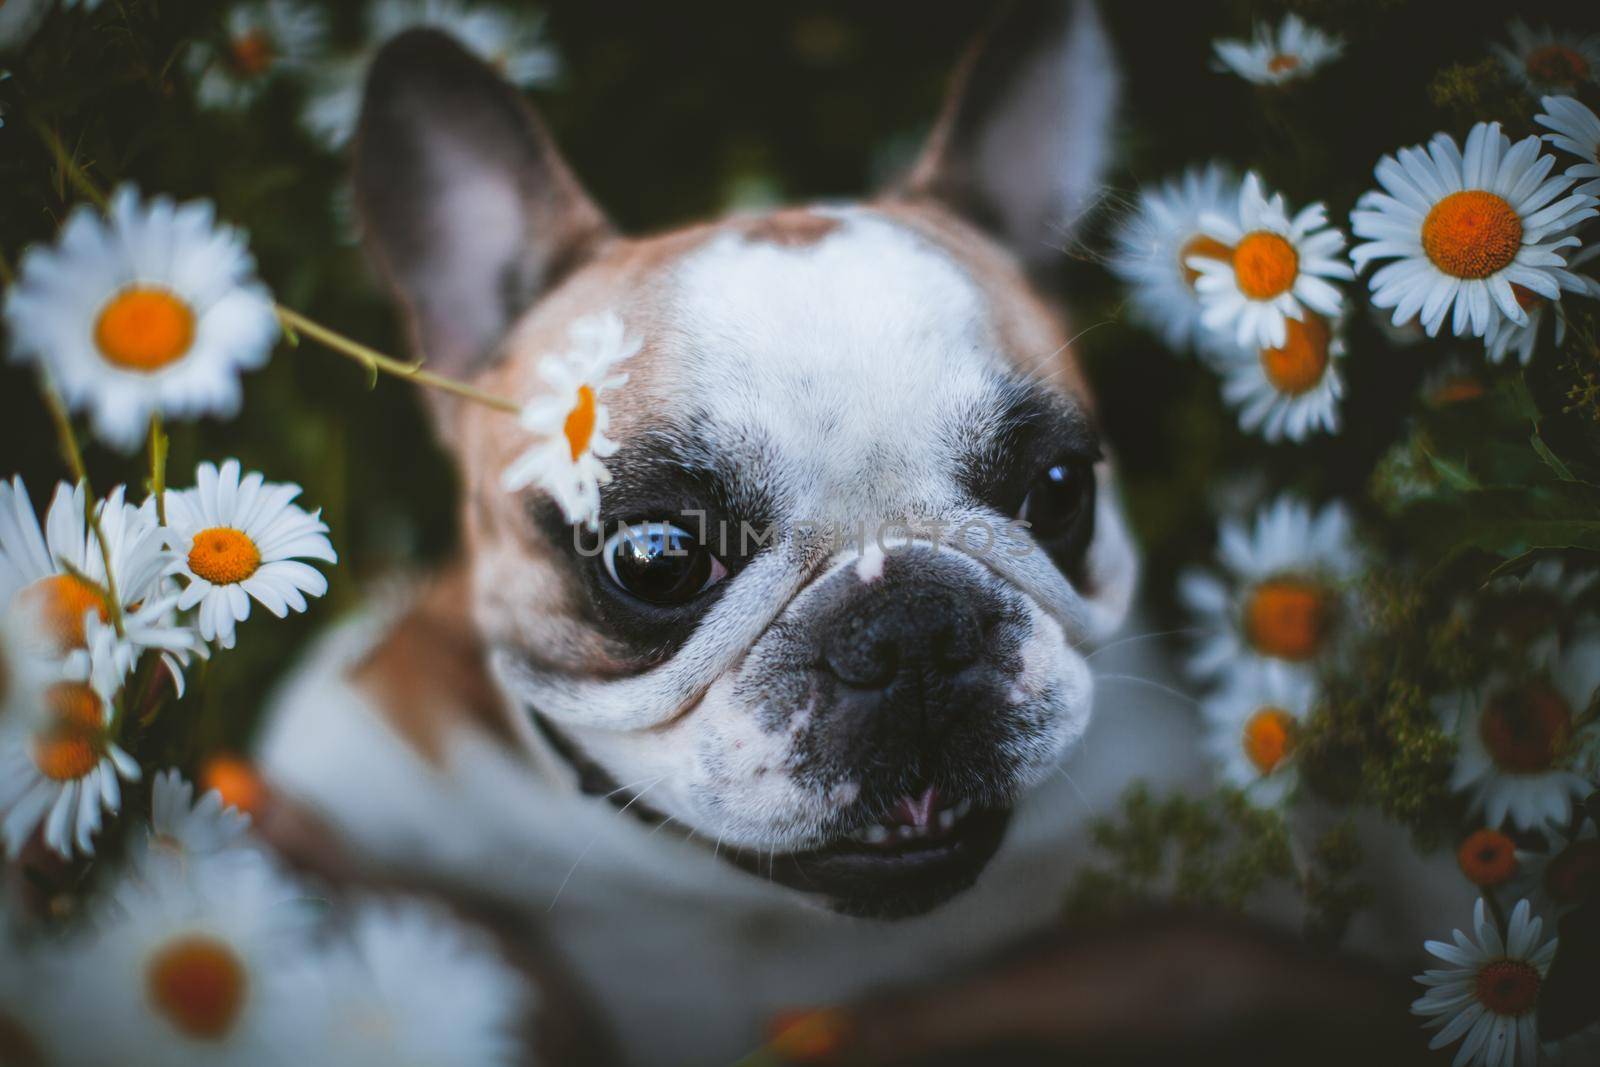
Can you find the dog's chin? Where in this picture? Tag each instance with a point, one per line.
(890, 870)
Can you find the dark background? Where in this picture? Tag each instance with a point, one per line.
(673, 111)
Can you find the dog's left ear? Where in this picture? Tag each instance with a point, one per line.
(1025, 134)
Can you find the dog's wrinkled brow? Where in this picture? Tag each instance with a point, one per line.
(1029, 429)
(671, 469)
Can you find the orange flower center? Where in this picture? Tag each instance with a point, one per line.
(1268, 738)
(1525, 730)
(579, 426)
(223, 556)
(1200, 245)
(1573, 875)
(1456, 390)
(1265, 264)
(1287, 618)
(60, 603)
(1508, 987)
(72, 745)
(1472, 234)
(1558, 64)
(1487, 858)
(1282, 63)
(236, 781)
(144, 328)
(251, 54)
(1298, 366)
(198, 983)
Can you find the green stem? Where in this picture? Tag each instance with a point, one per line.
(70, 167)
(158, 467)
(295, 324)
(74, 457)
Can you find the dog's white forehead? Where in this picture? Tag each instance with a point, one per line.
(846, 354)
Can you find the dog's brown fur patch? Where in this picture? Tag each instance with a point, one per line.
(790, 228)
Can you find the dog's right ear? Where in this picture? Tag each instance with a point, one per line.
(465, 204)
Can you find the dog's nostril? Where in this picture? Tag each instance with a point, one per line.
(955, 646)
(862, 661)
(872, 648)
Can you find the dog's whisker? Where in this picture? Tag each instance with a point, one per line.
(1167, 689)
(1144, 637)
(1083, 798)
(586, 848)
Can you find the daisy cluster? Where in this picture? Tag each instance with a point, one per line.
(1480, 238)
(205, 950)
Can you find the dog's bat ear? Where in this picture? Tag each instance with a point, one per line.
(465, 203)
(1025, 134)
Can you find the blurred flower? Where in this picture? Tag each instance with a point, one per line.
(1277, 608)
(1558, 880)
(31, 1016)
(570, 421)
(26, 668)
(18, 21)
(61, 768)
(236, 782)
(1464, 229)
(59, 573)
(1576, 130)
(1488, 993)
(1278, 268)
(1294, 50)
(509, 41)
(1533, 611)
(243, 538)
(414, 986)
(152, 309)
(1519, 740)
(1488, 858)
(183, 831)
(187, 965)
(1251, 726)
(1155, 241)
(261, 39)
(1291, 390)
(1505, 336)
(1545, 60)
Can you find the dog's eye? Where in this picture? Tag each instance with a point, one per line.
(660, 563)
(1059, 508)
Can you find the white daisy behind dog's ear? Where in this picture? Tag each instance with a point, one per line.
(1464, 226)
(1290, 390)
(1154, 243)
(261, 40)
(1278, 268)
(569, 422)
(243, 538)
(153, 308)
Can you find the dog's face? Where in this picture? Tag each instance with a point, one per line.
(861, 526)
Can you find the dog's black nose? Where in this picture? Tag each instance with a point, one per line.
(902, 635)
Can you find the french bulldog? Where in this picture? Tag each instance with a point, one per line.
(807, 716)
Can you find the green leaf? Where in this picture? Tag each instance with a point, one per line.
(1510, 521)
(1551, 459)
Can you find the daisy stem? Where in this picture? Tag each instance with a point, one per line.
(158, 467)
(74, 457)
(70, 168)
(295, 323)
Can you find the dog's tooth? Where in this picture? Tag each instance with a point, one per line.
(947, 818)
(963, 809)
(875, 835)
(906, 833)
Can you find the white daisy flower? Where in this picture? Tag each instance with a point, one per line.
(512, 42)
(1521, 750)
(187, 966)
(1277, 271)
(153, 308)
(1576, 129)
(60, 769)
(1545, 60)
(1291, 390)
(184, 831)
(1506, 337)
(415, 986)
(59, 574)
(570, 420)
(1276, 609)
(1487, 996)
(1534, 611)
(27, 669)
(1251, 729)
(1154, 243)
(261, 39)
(1274, 56)
(242, 538)
(1463, 228)
(1559, 880)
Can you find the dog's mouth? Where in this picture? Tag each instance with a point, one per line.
(927, 848)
